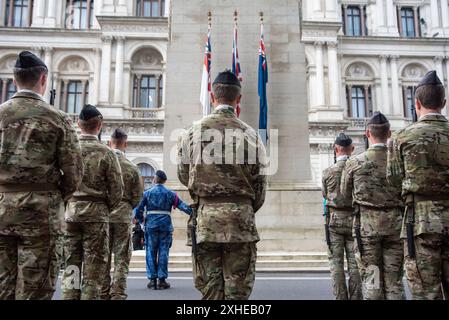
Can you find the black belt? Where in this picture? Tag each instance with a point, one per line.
(28, 187)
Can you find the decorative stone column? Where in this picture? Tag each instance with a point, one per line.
(319, 85)
(4, 89)
(381, 23)
(38, 13)
(334, 77)
(48, 59)
(58, 90)
(94, 94)
(392, 18)
(438, 61)
(384, 83)
(435, 16)
(122, 8)
(445, 16)
(105, 70)
(395, 86)
(118, 92)
(50, 20)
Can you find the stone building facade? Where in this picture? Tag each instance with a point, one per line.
(104, 52)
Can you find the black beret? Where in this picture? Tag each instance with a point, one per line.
(378, 118)
(430, 79)
(343, 140)
(119, 134)
(27, 60)
(227, 77)
(89, 112)
(161, 175)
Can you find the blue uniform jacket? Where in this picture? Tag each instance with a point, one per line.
(160, 198)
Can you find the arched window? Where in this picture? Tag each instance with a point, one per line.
(18, 13)
(73, 92)
(8, 89)
(79, 14)
(359, 87)
(410, 77)
(147, 75)
(147, 172)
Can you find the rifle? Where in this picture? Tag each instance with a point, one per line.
(52, 94)
(326, 225)
(358, 234)
(410, 211)
(192, 224)
(365, 139)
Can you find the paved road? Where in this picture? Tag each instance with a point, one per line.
(269, 286)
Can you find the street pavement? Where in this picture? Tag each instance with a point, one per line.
(268, 286)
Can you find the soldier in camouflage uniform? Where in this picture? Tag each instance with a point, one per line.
(419, 164)
(339, 221)
(87, 213)
(40, 165)
(379, 208)
(228, 194)
(120, 222)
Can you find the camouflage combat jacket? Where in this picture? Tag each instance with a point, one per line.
(418, 162)
(221, 177)
(102, 179)
(381, 205)
(132, 190)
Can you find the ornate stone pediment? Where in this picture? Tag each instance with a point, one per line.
(146, 57)
(74, 65)
(7, 64)
(413, 71)
(359, 70)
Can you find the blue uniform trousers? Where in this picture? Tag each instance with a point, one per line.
(158, 243)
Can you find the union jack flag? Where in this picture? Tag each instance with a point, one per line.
(236, 69)
(206, 85)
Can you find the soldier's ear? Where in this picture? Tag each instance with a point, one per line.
(239, 99)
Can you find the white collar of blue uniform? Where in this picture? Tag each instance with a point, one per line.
(384, 145)
(343, 158)
(224, 107)
(30, 91)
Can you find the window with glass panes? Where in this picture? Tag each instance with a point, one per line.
(150, 8)
(76, 96)
(147, 91)
(408, 27)
(7, 89)
(359, 101)
(354, 22)
(79, 14)
(147, 172)
(18, 13)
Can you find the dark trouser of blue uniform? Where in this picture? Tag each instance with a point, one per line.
(158, 243)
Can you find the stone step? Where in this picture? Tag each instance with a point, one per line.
(267, 261)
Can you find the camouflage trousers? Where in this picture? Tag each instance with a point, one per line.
(86, 258)
(120, 246)
(29, 267)
(225, 271)
(342, 242)
(381, 267)
(428, 273)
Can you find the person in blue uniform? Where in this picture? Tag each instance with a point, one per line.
(159, 202)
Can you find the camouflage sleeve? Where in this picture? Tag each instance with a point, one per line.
(260, 178)
(137, 189)
(114, 180)
(324, 188)
(69, 159)
(347, 180)
(184, 159)
(395, 165)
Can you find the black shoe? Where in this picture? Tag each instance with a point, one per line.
(163, 285)
(152, 285)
